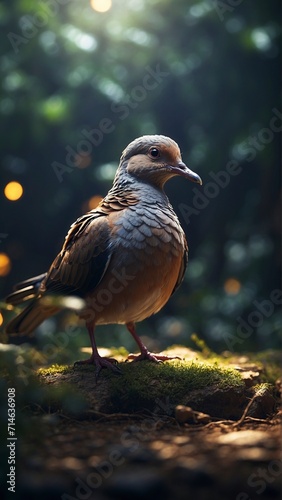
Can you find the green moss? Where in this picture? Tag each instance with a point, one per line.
(149, 382)
(261, 389)
(51, 370)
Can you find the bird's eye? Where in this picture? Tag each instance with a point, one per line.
(154, 152)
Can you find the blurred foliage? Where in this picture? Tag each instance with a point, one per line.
(204, 74)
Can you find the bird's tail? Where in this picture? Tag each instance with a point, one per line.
(25, 290)
(35, 313)
(31, 317)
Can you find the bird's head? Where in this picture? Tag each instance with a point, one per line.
(154, 159)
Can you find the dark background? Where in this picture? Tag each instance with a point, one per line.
(65, 68)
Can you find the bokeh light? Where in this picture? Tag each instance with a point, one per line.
(5, 264)
(93, 202)
(232, 286)
(13, 191)
(1, 319)
(101, 5)
(82, 161)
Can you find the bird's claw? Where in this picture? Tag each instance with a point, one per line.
(100, 363)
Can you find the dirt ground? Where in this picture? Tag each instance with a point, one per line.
(144, 457)
(115, 443)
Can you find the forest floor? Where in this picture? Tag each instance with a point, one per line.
(197, 429)
(144, 458)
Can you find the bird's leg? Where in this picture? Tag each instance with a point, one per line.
(145, 354)
(95, 357)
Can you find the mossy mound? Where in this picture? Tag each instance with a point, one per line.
(142, 387)
(160, 387)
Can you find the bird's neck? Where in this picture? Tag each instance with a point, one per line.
(127, 182)
(141, 188)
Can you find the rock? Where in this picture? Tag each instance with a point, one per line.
(250, 377)
(185, 414)
(202, 418)
(228, 403)
(263, 404)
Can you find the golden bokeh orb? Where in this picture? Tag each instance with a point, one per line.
(232, 286)
(5, 264)
(13, 191)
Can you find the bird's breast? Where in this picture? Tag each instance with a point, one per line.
(146, 229)
(147, 246)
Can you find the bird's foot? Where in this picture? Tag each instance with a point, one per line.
(100, 363)
(146, 355)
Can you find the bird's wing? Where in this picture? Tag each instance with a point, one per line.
(182, 267)
(83, 259)
(86, 252)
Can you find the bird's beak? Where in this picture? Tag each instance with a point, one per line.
(181, 169)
